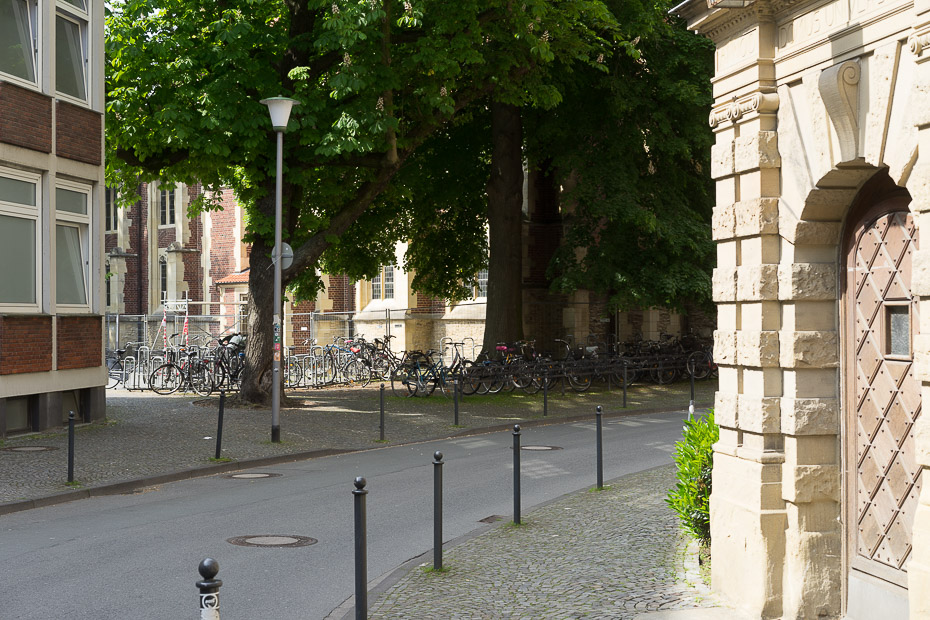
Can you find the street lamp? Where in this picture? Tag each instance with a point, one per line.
(280, 110)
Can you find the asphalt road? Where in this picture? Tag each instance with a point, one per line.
(137, 555)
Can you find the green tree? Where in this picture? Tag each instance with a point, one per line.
(376, 80)
(631, 151)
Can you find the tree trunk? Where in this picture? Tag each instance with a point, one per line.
(504, 315)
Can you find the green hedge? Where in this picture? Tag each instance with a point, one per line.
(690, 498)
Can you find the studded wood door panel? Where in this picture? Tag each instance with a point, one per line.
(887, 395)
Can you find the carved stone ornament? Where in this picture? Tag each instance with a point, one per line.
(761, 103)
(919, 40)
(839, 89)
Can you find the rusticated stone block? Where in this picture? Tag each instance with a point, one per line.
(918, 184)
(922, 440)
(803, 232)
(807, 281)
(725, 409)
(724, 283)
(810, 416)
(922, 357)
(721, 160)
(725, 347)
(759, 414)
(723, 222)
(757, 349)
(809, 483)
(756, 217)
(757, 283)
(809, 349)
(920, 272)
(756, 151)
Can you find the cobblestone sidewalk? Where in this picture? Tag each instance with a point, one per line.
(616, 553)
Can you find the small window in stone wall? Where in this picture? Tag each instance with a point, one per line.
(897, 330)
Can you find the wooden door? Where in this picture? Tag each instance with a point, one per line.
(883, 479)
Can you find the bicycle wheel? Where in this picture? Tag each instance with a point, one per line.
(166, 379)
(493, 380)
(401, 385)
(200, 379)
(698, 365)
(469, 378)
(328, 369)
(357, 373)
(114, 373)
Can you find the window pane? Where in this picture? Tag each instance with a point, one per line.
(78, 3)
(376, 287)
(70, 262)
(899, 330)
(389, 282)
(17, 56)
(482, 283)
(69, 58)
(72, 202)
(16, 191)
(17, 247)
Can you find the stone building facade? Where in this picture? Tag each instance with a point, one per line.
(51, 198)
(819, 507)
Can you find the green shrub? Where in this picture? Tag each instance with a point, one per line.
(690, 498)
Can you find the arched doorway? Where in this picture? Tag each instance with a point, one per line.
(882, 396)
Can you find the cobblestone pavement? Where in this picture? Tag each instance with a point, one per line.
(616, 553)
(146, 435)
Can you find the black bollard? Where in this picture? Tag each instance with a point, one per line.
(546, 395)
(219, 424)
(626, 382)
(437, 510)
(70, 446)
(361, 551)
(600, 451)
(516, 474)
(209, 589)
(691, 404)
(455, 401)
(382, 412)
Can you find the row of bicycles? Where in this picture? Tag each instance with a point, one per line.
(518, 366)
(205, 364)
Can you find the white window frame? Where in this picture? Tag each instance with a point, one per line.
(479, 294)
(37, 51)
(164, 286)
(27, 213)
(111, 217)
(170, 208)
(378, 288)
(83, 224)
(75, 15)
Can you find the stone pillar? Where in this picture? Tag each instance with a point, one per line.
(918, 570)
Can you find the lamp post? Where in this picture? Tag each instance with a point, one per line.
(280, 110)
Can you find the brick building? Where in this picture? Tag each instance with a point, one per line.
(51, 199)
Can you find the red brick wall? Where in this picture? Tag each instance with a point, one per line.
(428, 305)
(80, 343)
(223, 243)
(342, 293)
(135, 291)
(25, 118)
(193, 270)
(78, 133)
(26, 344)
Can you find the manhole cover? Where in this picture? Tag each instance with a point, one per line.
(272, 540)
(29, 448)
(252, 476)
(540, 448)
(491, 519)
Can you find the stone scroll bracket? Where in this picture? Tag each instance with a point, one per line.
(839, 89)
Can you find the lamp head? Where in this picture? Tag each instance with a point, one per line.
(280, 110)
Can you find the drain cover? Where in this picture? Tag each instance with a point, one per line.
(272, 540)
(30, 448)
(252, 476)
(540, 448)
